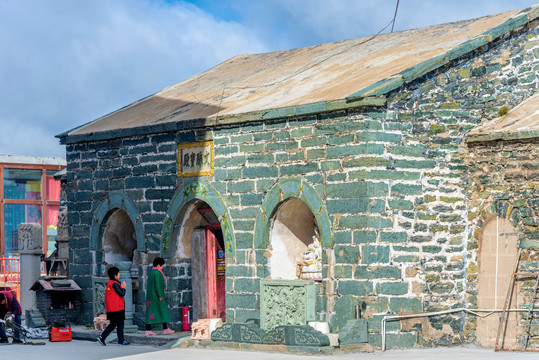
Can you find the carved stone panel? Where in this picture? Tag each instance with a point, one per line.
(286, 302)
(62, 227)
(99, 285)
(30, 238)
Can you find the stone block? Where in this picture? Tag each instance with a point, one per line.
(260, 172)
(375, 254)
(239, 332)
(298, 169)
(350, 287)
(243, 301)
(347, 206)
(296, 335)
(401, 340)
(260, 159)
(393, 237)
(406, 189)
(405, 305)
(364, 236)
(349, 150)
(392, 288)
(251, 199)
(139, 182)
(346, 254)
(34, 319)
(400, 204)
(354, 332)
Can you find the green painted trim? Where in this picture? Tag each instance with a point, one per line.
(379, 88)
(284, 190)
(212, 121)
(516, 135)
(466, 47)
(178, 205)
(115, 200)
(506, 27)
(423, 68)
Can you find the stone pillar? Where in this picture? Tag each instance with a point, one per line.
(125, 275)
(30, 240)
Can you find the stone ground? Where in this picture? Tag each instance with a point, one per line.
(87, 350)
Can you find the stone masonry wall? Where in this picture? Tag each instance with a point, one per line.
(393, 181)
(504, 180)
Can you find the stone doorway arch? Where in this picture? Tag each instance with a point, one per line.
(198, 240)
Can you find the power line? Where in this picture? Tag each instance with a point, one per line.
(395, 16)
(392, 23)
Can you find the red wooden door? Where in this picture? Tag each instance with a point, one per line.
(211, 274)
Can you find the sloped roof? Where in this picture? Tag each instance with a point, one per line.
(301, 81)
(521, 122)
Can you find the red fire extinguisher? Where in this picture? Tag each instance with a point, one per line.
(186, 319)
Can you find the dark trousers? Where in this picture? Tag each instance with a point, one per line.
(16, 334)
(119, 325)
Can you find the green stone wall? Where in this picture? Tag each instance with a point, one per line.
(394, 184)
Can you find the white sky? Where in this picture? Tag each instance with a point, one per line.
(64, 63)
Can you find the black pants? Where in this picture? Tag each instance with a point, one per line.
(119, 325)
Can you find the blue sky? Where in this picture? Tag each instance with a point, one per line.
(64, 63)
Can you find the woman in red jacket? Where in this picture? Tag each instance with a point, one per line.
(115, 305)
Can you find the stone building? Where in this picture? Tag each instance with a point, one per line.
(235, 176)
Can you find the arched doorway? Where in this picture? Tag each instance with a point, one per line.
(119, 237)
(198, 245)
(498, 251)
(198, 238)
(294, 236)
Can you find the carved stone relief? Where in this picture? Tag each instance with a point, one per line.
(30, 238)
(286, 302)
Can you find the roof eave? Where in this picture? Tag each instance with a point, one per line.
(229, 119)
(495, 136)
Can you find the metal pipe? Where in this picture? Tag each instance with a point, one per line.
(442, 312)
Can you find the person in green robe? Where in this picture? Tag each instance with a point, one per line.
(156, 306)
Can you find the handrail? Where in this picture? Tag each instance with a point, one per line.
(9, 272)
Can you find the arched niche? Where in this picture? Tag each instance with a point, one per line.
(275, 224)
(116, 224)
(119, 238)
(291, 232)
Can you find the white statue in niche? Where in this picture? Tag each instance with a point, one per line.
(309, 267)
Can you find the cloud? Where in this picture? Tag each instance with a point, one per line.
(287, 24)
(65, 63)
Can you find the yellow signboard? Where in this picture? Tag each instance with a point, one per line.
(195, 159)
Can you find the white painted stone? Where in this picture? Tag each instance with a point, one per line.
(293, 229)
(321, 326)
